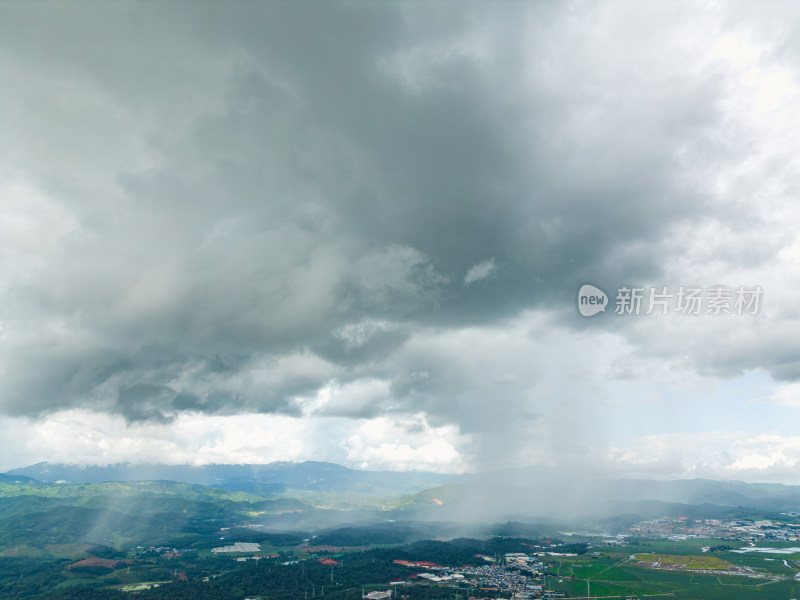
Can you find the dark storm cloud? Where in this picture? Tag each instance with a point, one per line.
(301, 188)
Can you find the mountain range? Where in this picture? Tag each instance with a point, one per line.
(126, 505)
(531, 492)
(265, 479)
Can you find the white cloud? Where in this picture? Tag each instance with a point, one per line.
(355, 335)
(479, 271)
(719, 454)
(83, 437)
(357, 398)
(784, 394)
(375, 445)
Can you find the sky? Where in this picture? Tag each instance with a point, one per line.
(356, 232)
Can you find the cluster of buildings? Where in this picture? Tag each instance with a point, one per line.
(682, 528)
(452, 576)
(496, 577)
(420, 564)
(443, 574)
(256, 557)
(515, 573)
(166, 551)
(239, 547)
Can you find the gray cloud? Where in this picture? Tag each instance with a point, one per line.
(229, 210)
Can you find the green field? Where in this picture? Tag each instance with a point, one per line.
(691, 561)
(691, 546)
(626, 572)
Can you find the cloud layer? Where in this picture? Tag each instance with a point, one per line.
(379, 216)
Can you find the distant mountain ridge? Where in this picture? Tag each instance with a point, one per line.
(270, 479)
(6, 478)
(528, 491)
